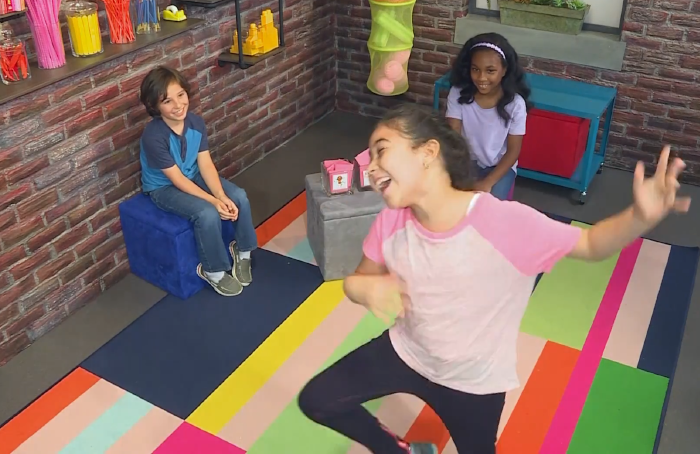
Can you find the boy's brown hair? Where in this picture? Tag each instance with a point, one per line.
(154, 87)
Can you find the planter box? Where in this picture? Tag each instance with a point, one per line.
(539, 17)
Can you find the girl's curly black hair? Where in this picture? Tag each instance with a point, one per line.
(513, 81)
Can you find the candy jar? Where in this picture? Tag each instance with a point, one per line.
(147, 17)
(83, 28)
(14, 66)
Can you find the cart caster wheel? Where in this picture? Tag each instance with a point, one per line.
(582, 198)
(600, 169)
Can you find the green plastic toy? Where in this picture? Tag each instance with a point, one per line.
(390, 44)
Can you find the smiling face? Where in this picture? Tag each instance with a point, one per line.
(397, 170)
(174, 106)
(487, 70)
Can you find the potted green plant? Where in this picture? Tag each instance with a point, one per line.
(559, 16)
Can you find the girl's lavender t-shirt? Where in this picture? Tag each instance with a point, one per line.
(484, 129)
(468, 288)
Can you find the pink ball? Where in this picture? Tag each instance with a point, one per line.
(393, 70)
(384, 86)
(402, 56)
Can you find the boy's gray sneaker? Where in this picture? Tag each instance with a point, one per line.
(241, 267)
(422, 448)
(227, 286)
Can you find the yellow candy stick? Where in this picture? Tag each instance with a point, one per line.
(95, 31)
(85, 32)
(75, 35)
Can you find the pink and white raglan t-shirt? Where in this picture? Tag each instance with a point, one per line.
(468, 288)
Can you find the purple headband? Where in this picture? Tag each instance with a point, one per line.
(490, 46)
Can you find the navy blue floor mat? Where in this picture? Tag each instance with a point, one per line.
(177, 353)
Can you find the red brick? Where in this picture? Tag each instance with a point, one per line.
(19, 232)
(88, 294)
(78, 181)
(43, 142)
(107, 129)
(660, 31)
(109, 247)
(111, 71)
(116, 275)
(53, 174)
(104, 217)
(685, 114)
(47, 235)
(95, 272)
(7, 219)
(84, 211)
(3, 184)
(8, 314)
(67, 148)
(680, 139)
(129, 137)
(643, 42)
(122, 190)
(100, 95)
(71, 238)
(52, 268)
(12, 346)
(132, 82)
(121, 104)
(15, 196)
(11, 257)
(75, 269)
(16, 292)
(63, 208)
(37, 204)
(22, 269)
(670, 99)
(93, 241)
(684, 20)
(62, 112)
(113, 162)
(84, 122)
(19, 173)
(92, 153)
(676, 75)
(71, 87)
(23, 322)
(10, 136)
(647, 15)
(10, 157)
(26, 106)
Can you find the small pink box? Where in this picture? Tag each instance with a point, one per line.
(337, 176)
(362, 161)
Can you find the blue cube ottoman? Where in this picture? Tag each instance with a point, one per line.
(161, 246)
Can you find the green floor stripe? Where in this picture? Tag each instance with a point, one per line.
(292, 432)
(564, 304)
(302, 252)
(622, 412)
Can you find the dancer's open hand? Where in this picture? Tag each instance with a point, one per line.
(655, 197)
(387, 298)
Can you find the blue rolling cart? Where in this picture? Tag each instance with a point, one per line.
(578, 99)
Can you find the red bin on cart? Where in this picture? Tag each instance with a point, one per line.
(554, 143)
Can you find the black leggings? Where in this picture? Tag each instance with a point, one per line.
(334, 397)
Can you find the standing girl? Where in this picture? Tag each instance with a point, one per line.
(488, 105)
(456, 267)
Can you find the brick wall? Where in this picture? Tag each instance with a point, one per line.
(657, 88)
(69, 153)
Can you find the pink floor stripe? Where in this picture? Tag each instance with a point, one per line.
(188, 439)
(569, 410)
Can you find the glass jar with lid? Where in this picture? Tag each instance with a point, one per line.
(14, 66)
(83, 28)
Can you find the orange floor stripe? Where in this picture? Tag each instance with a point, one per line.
(281, 219)
(532, 415)
(44, 409)
(428, 427)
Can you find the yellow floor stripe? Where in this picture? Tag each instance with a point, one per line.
(213, 414)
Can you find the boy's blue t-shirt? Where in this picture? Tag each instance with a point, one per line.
(161, 149)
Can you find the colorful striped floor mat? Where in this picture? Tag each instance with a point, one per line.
(597, 350)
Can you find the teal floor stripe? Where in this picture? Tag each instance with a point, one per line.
(302, 252)
(109, 427)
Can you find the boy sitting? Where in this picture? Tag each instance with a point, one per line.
(179, 175)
